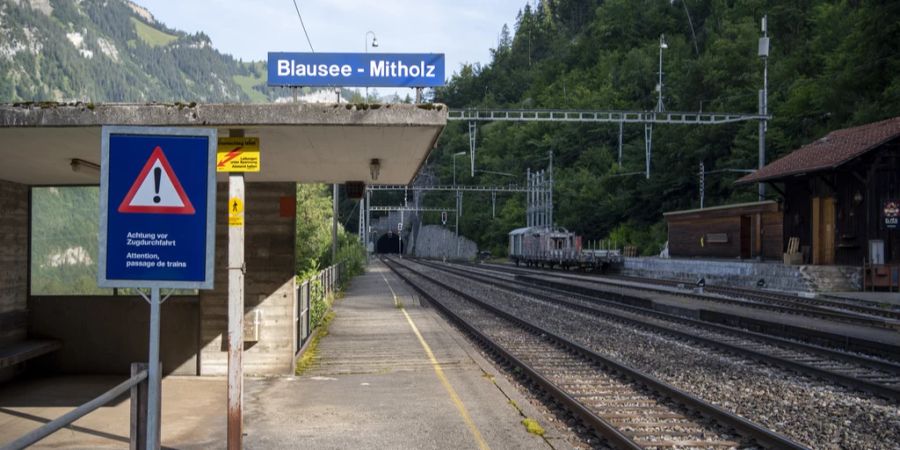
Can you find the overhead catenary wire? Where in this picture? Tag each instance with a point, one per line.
(300, 16)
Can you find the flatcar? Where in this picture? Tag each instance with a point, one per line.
(551, 247)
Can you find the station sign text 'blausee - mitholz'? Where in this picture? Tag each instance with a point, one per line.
(356, 69)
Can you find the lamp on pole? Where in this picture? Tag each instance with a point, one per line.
(659, 87)
(454, 165)
(366, 46)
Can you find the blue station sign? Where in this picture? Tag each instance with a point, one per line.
(356, 69)
(157, 207)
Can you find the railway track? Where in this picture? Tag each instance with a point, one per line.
(758, 301)
(872, 375)
(627, 408)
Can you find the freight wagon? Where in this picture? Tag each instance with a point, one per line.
(552, 247)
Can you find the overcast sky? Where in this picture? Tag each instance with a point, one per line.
(464, 30)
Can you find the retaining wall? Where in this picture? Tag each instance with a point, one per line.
(746, 274)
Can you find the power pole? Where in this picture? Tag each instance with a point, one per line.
(550, 194)
(763, 100)
(702, 183)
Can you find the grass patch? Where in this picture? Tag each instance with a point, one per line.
(532, 426)
(151, 36)
(311, 355)
(246, 83)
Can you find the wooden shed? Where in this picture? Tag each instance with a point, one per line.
(841, 195)
(745, 231)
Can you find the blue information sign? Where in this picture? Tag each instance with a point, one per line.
(157, 207)
(356, 69)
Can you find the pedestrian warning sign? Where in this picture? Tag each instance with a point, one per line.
(157, 189)
(238, 154)
(235, 212)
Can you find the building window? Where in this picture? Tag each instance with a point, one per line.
(65, 240)
(64, 224)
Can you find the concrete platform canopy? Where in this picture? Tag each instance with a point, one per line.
(306, 143)
(310, 143)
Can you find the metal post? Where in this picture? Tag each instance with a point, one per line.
(550, 193)
(537, 199)
(368, 222)
(621, 126)
(659, 87)
(457, 223)
(648, 147)
(235, 319)
(334, 224)
(154, 379)
(540, 199)
(528, 222)
(362, 221)
(763, 100)
(366, 47)
(473, 129)
(493, 204)
(702, 183)
(138, 428)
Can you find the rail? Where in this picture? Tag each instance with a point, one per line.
(68, 418)
(314, 288)
(761, 435)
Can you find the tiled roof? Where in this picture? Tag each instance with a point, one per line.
(828, 152)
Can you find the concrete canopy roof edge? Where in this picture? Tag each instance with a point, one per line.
(327, 143)
(218, 114)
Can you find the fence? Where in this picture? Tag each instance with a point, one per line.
(318, 287)
(137, 384)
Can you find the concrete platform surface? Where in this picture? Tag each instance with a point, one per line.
(393, 377)
(193, 412)
(389, 376)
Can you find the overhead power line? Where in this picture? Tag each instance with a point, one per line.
(304, 27)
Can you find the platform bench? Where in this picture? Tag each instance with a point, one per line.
(19, 352)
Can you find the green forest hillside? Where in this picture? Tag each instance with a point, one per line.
(832, 64)
(114, 51)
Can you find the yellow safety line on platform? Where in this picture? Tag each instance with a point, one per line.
(440, 374)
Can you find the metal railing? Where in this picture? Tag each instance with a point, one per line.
(137, 384)
(318, 286)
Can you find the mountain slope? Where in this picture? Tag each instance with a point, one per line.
(832, 65)
(113, 51)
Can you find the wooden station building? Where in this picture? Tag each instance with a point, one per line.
(840, 203)
(744, 230)
(841, 195)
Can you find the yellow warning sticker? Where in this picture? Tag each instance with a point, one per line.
(235, 212)
(238, 154)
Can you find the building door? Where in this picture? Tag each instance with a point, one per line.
(746, 239)
(823, 230)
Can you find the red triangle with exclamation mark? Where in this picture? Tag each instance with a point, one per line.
(156, 189)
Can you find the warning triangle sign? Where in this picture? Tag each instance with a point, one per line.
(157, 190)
